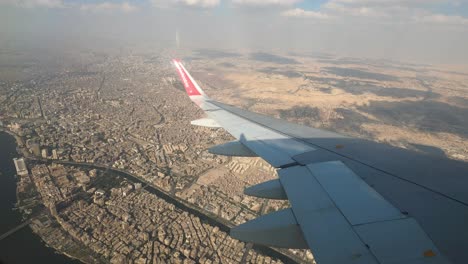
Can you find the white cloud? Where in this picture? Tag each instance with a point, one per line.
(189, 3)
(34, 3)
(266, 2)
(442, 19)
(407, 3)
(297, 12)
(391, 11)
(108, 6)
(96, 7)
(200, 3)
(360, 11)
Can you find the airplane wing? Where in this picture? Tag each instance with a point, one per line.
(352, 200)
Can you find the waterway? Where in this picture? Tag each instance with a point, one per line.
(23, 246)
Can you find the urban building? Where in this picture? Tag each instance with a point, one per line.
(20, 165)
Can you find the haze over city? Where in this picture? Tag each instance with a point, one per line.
(104, 158)
(432, 31)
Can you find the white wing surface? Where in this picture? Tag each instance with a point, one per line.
(352, 200)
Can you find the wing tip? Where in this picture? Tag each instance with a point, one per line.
(191, 87)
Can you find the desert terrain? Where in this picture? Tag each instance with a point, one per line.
(416, 106)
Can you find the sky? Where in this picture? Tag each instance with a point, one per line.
(423, 31)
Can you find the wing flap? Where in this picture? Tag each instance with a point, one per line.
(330, 201)
(278, 229)
(326, 230)
(358, 202)
(400, 241)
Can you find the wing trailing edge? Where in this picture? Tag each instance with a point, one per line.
(233, 148)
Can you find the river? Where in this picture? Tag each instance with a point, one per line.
(23, 246)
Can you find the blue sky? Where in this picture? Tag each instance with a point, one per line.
(451, 9)
(311, 5)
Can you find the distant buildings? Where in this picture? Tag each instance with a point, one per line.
(21, 168)
(82, 178)
(15, 127)
(54, 154)
(44, 153)
(33, 147)
(36, 149)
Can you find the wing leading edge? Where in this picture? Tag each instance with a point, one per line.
(335, 212)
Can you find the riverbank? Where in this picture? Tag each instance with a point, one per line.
(24, 246)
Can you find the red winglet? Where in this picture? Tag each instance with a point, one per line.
(190, 86)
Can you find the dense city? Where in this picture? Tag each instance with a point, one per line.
(114, 172)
